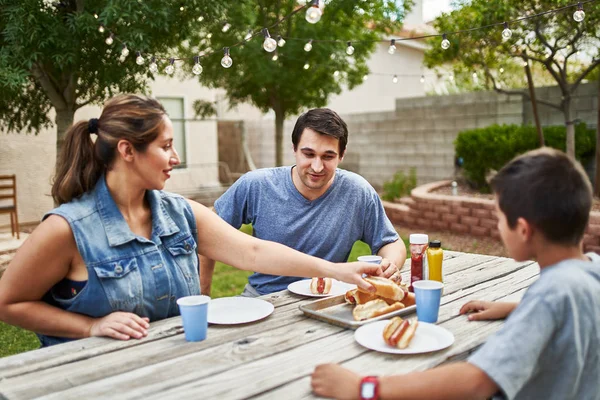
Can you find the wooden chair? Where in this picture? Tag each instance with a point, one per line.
(8, 191)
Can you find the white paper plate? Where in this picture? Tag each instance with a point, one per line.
(303, 288)
(428, 337)
(237, 310)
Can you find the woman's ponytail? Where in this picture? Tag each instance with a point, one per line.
(78, 168)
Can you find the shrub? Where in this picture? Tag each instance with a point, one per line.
(400, 185)
(490, 148)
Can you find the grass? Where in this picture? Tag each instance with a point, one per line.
(227, 281)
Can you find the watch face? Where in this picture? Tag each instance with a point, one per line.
(367, 390)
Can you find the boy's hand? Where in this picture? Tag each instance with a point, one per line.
(487, 310)
(388, 268)
(331, 380)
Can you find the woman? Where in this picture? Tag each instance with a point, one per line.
(118, 251)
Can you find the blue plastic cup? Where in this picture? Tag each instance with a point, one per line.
(428, 295)
(370, 259)
(194, 313)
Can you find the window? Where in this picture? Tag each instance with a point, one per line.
(175, 109)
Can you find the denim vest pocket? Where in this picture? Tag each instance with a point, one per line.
(122, 283)
(186, 257)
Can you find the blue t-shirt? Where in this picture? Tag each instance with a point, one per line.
(549, 347)
(326, 227)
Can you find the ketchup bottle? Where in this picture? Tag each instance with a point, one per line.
(418, 257)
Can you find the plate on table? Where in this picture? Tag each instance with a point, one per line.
(428, 337)
(303, 288)
(237, 310)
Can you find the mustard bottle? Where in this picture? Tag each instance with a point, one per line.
(435, 255)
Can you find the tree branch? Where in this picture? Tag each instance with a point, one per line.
(47, 85)
(594, 64)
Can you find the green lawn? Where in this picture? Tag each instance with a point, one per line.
(227, 281)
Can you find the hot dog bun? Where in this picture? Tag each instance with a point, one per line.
(374, 308)
(320, 285)
(398, 332)
(385, 288)
(409, 299)
(356, 297)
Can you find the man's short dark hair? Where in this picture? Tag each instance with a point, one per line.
(325, 122)
(549, 190)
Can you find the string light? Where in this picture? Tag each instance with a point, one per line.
(197, 68)
(269, 44)
(275, 57)
(171, 67)
(365, 77)
(395, 79)
(392, 48)
(200, 18)
(226, 61)
(501, 70)
(349, 49)
(95, 15)
(280, 41)
(445, 42)
(153, 67)
(181, 8)
(314, 13)
(139, 60)
(579, 15)
(101, 28)
(109, 40)
(248, 35)
(124, 51)
(306, 66)
(226, 27)
(308, 46)
(422, 79)
(336, 73)
(506, 33)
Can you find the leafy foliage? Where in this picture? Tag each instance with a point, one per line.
(204, 109)
(490, 148)
(400, 185)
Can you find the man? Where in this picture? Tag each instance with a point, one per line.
(313, 206)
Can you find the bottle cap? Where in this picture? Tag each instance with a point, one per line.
(418, 238)
(435, 243)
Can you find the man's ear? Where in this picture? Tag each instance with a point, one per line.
(524, 229)
(126, 150)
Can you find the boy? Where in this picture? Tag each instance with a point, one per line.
(548, 347)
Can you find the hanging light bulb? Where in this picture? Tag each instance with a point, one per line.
(200, 18)
(395, 79)
(171, 67)
(306, 66)
(525, 63)
(314, 13)
(248, 35)
(208, 35)
(506, 33)
(392, 48)
(280, 41)
(308, 46)
(197, 68)
(124, 51)
(139, 60)
(226, 27)
(501, 70)
(445, 42)
(269, 44)
(365, 77)
(275, 57)
(349, 49)
(579, 15)
(226, 61)
(101, 29)
(475, 78)
(95, 15)
(336, 73)
(153, 67)
(181, 8)
(109, 40)
(422, 78)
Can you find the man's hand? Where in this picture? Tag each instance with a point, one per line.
(487, 310)
(331, 380)
(120, 325)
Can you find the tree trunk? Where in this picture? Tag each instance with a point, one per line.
(597, 186)
(279, 120)
(536, 116)
(64, 120)
(570, 124)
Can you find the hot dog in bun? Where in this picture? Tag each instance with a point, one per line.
(320, 285)
(398, 332)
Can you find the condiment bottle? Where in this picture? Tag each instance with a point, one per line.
(418, 261)
(435, 255)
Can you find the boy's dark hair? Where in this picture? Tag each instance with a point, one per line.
(549, 190)
(323, 121)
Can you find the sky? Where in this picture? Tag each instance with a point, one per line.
(433, 8)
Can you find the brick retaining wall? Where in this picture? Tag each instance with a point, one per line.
(462, 214)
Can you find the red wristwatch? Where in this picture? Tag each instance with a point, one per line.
(369, 388)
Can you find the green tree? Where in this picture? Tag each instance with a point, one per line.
(283, 85)
(559, 47)
(52, 54)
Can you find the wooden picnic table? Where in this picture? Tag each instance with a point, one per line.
(268, 359)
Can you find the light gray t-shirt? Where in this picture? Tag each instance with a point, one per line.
(326, 227)
(549, 347)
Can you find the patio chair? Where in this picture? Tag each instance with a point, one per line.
(8, 191)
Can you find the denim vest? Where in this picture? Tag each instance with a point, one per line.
(127, 272)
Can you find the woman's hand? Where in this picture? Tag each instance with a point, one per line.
(353, 272)
(331, 380)
(487, 310)
(120, 325)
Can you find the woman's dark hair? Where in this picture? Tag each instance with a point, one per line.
(137, 119)
(549, 190)
(323, 121)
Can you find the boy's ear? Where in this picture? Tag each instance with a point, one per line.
(524, 229)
